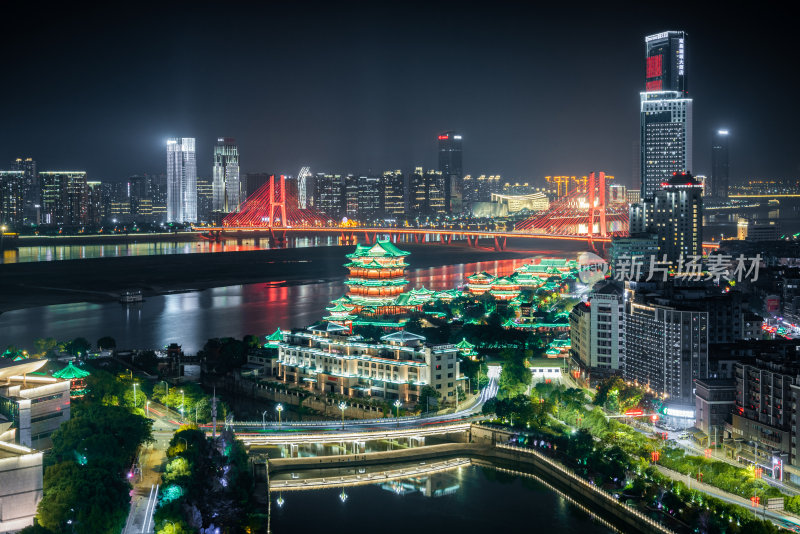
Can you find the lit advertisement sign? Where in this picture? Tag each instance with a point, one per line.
(662, 35)
(680, 56)
(655, 66)
(655, 85)
(675, 412)
(443, 137)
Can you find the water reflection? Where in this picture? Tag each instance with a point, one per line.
(464, 498)
(192, 317)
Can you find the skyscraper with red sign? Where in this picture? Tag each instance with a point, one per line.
(666, 112)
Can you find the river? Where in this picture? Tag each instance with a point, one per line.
(192, 317)
(469, 499)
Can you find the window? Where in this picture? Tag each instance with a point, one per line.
(438, 367)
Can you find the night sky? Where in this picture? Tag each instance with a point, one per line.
(366, 87)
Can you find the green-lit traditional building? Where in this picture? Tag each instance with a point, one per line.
(77, 380)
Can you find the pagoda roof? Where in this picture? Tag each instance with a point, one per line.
(338, 307)
(422, 291)
(376, 283)
(481, 276)
(504, 281)
(464, 344)
(379, 249)
(277, 335)
(327, 327)
(70, 372)
(553, 262)
(374, 264)
(561, 343)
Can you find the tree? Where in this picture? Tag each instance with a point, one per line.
(79, 345)
(428, 396)
(106, 342)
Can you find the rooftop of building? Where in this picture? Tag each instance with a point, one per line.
(607, 288)
(379, 249)
(10, 368)
(716, 383)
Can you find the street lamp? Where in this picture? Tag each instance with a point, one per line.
(397, 404)
(263, 419)
(148, 408)
(134, 394)
(342, 407)
(182, 401)
(279, 408)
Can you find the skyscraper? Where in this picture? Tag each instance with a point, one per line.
(226, 183)
(450, 165)
(393, 192)
(65, 198)
(720, 170)
(665, 112)
(181, 180)
(12, 198)
(427, 193)
(32, 193)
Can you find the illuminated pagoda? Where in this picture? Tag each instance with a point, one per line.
(377, 277)
(504, 288)
(77, 380)
(448, 295)
(480, 283)
(341, 314)
(467, 349)
(274, 338)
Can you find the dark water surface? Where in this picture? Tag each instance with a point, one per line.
(192, 317)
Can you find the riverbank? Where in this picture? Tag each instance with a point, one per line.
(26, 285)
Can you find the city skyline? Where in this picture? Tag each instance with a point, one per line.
(352, 107)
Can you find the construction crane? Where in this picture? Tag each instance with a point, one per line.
(305, 173)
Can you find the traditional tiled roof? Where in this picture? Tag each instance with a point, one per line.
(70, 372)
(480, 277)
(464, 344)
(277, 335)
(379, 249)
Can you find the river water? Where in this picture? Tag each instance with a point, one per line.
(470, 499)
(190, 318)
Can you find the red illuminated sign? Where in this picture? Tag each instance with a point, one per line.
(634, 412)
(443, 137)
(653, 86)
(654, 66)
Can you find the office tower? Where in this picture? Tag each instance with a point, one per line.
(393, 194)
(637, 249)
(252, 182)
(226, 183)
(329, 194)
(304, 188)
(666, 348)
(205, 199)
(119, 202)
(64, 198)
(427, 193)
(703, 180)
(32, 201)
(675, 214)
(720, 170)
(665, 112)
(351, 196)
(94, 203)
(181, 180)
(369, 197)
(12, 198)
(450, 166)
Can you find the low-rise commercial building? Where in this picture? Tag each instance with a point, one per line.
(714, 401)
(36, 405)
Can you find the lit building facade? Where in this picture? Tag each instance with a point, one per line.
(20, 485)
(675, 215)
(666, 138)
(397, 368)
(226, 184)
(181, 180)
(12, 198)
(393, 194)
(427, 193)
(369, 197)
(720, 165)
(450, 165)
(65, 198)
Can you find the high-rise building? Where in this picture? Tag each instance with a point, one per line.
(720, 169)
(665, 111)
(65, 198)
(329, 194)
(598, 345)
(675, 214)
(181, 180)
(450, 165)
(12, 198)
(427, 193)
(666, 348)
(94, 203)
(665, 55)
(351, 196)
(205, 199)
(393, 194)
(369, 197)
(226, 184)
(32, 194)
